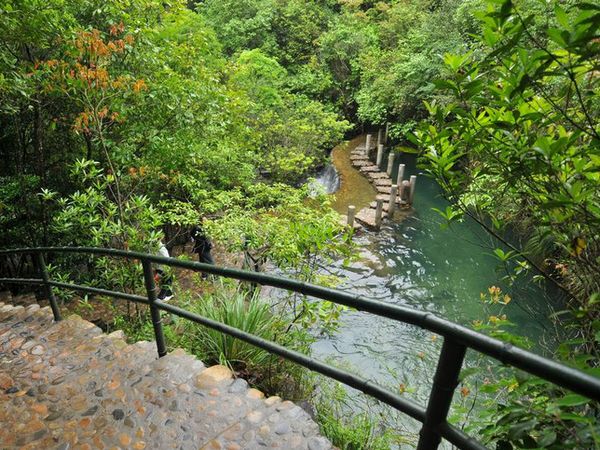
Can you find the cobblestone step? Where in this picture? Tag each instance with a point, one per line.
(66, 385)
(369, 168)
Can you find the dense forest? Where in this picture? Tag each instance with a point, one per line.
(127, 122)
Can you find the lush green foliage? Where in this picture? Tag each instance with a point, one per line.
(125, 119)
(517, 145)
(357, 432)
(522, 137)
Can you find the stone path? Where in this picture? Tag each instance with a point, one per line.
(67, 385)
(380, 181)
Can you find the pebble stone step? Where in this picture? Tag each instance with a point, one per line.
(366, 217)
(66, 385)
(369, 168)
(376, 175)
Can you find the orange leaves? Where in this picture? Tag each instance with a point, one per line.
(139, 85)
(82, 122)
(135, 172)
(117, 29)
(92, 47)
(86, 74)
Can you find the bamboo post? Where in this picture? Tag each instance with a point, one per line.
(390, 165)
(400, 174)
(368, 144)
(379, 155)
(351, 213)
(392, 205)
(405, 191)
(378, 213)
(387, 130)
(379, 137)
(413, 181)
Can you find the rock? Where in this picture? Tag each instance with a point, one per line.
(6, 381)
(318, 443)
(282, 428)
(213, 376)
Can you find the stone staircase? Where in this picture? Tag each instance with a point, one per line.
(66, 385)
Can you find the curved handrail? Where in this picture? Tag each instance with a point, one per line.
(457, 338)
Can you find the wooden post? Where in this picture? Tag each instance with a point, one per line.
(400, 174)
(413, 181)
(379, 155)
(378, 213)
(379, 137)
(392, 205)
(390, 166)
(368, 144)
(351, 212)
(405, 191)
(387, 130)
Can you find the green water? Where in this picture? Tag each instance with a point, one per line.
(417, 263)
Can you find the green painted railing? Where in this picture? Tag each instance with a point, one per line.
(457, 339)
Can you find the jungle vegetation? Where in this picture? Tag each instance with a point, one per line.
(124, 122)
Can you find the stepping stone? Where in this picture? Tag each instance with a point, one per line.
(366, 217)
(377, 175)
(369, 168)
(383, 182)
(362, 163)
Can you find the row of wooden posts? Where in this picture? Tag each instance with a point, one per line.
(403, 188)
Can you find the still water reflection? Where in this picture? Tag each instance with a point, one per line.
(417, 263)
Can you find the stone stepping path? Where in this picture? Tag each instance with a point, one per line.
(66, 385)
(380, 181)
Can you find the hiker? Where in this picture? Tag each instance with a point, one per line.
(162, 278)
(202, 246)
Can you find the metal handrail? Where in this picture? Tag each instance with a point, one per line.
(457, 339)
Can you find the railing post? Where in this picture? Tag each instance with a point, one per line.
(51, 298)
(378, 213)
(390, 165)
(413, 182)
(392, 204)
(379, 155)
(400, 178)
(154, 311)
(444, 383)
(351, 214)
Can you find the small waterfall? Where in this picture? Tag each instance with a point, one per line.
(329, 179)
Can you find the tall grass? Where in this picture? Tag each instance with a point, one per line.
(232, 307)
(231, 304)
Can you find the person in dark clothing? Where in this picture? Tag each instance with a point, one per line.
(202, 247)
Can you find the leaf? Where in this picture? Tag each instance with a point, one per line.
(547, 438)
(572, 400)
(518, 431)
(562, 17)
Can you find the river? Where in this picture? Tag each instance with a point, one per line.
(416, 262)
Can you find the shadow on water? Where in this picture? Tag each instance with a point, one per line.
(418, 263)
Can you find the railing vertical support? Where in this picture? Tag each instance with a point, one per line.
(154, 311)
(444, 383)
(44, 273)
